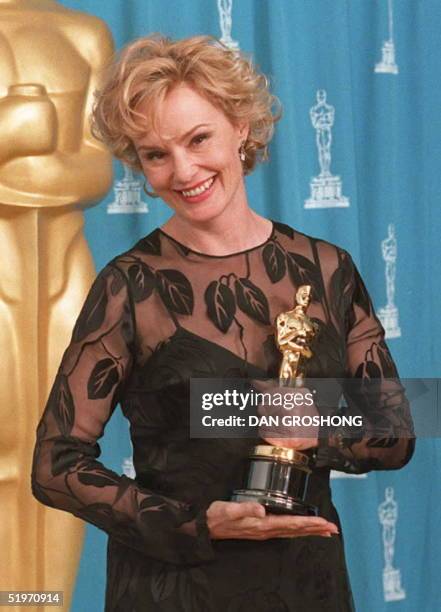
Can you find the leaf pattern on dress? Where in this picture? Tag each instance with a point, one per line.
(382, 442)
(303, 271)
(93, 312)
(123, 580)
(142, 281)
(42, 426)
(388, 367)
(97, 478)
(103, 378)
(42, 496)
(117, 282)
(258, 600)
(282, 228)
(127, 331)
(67, 451)
(150, 245)
(151, 503)
(272, 356)
(328, 360)
(335, 290)
(62, 404)
(194, 590)
(274, 260)
(251, 300)
(163, 582)
(124, 484)
(221, 306)
(175, 291)
(360, 295)
(340, 295)
(368, 369)
(103, 513)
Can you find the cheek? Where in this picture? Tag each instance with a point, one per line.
(226, 159)
(156, 178)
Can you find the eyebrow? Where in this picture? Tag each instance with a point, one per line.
(183, 137)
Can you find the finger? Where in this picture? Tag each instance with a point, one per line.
(321, 534)
(268, 410)
(295, 443)
(312, 527)
(265, 529)
(285, 522)
(314, 530)
(298, 534)
(263, 385)
(300, 530)
(239, 510)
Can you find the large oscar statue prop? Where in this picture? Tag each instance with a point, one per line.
(277, 477)
(50, 169)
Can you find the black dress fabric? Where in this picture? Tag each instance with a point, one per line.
(156, 316)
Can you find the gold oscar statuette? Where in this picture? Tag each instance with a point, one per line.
(277, 477)
(51, 169)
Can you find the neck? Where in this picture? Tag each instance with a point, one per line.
(228, 233)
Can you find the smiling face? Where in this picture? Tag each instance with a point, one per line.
(190, 156)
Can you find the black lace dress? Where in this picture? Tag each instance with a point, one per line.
(156, 316)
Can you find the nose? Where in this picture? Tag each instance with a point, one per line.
(183, 169)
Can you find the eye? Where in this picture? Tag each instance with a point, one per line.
(154, 155)
(200, 138)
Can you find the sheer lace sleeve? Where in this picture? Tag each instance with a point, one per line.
(65, 472)
(386, 439)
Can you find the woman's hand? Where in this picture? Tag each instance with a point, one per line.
(249, 521)
(298, 437)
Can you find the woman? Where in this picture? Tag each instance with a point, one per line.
(197, 298)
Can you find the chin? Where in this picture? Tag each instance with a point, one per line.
(200, 214)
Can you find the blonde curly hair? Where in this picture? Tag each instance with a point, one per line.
(150, 67)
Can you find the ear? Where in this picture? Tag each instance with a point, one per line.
(243, 130)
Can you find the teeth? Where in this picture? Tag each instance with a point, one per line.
(200, 189)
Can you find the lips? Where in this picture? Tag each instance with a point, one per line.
(199, 192)
(198, 189)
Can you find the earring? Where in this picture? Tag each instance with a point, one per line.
(151, 194)
(242, 153)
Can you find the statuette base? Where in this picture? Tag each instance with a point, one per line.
(127, 196)
(277, 478)
(388, 316)
(275, 504)
(387, 64)
(393, 590)
(326, 193)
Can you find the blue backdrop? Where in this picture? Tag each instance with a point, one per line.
(377, 61)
